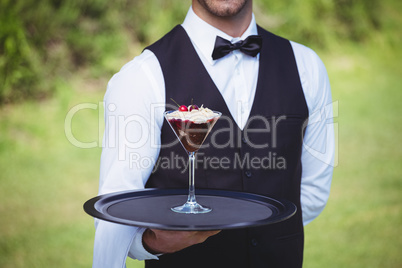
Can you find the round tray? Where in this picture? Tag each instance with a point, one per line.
(151, 208)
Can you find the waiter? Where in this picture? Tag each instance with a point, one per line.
(276, 101)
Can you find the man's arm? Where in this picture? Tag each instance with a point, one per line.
(134, 105)
(319, 141)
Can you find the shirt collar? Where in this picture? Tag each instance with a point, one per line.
(203, 35)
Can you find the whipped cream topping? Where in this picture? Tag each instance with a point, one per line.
(201, 115)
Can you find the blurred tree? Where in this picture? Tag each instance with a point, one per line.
(320, 22)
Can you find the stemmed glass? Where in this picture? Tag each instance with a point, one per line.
(191, 134)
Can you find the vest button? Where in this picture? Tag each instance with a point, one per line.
(244, 140)
(254, 242)
(248, 174)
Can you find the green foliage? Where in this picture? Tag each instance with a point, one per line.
(17, 60)
(322, 22)
(44, 39)
(150, 20)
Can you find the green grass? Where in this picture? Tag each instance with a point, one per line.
(45, 180)
(362, 223)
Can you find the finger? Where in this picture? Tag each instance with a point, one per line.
(204, 235)
(168, 234)
(211, 233)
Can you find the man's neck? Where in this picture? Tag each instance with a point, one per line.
(234, 26)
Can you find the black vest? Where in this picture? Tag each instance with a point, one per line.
(264, 158)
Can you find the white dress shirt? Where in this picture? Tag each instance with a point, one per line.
(134, 106)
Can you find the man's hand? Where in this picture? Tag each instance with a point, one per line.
(160, 241)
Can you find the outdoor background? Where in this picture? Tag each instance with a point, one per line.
(55, 55)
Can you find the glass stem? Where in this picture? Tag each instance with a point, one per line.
(191, 187)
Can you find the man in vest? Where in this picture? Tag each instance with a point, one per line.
(275, 99)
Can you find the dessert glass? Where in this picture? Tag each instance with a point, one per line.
(191, 134)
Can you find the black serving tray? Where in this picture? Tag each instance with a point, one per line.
(151, 208)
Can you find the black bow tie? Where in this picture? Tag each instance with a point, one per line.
(250, 46)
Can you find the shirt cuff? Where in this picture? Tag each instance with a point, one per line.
(137, 250)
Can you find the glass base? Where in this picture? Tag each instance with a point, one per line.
(191, 208)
